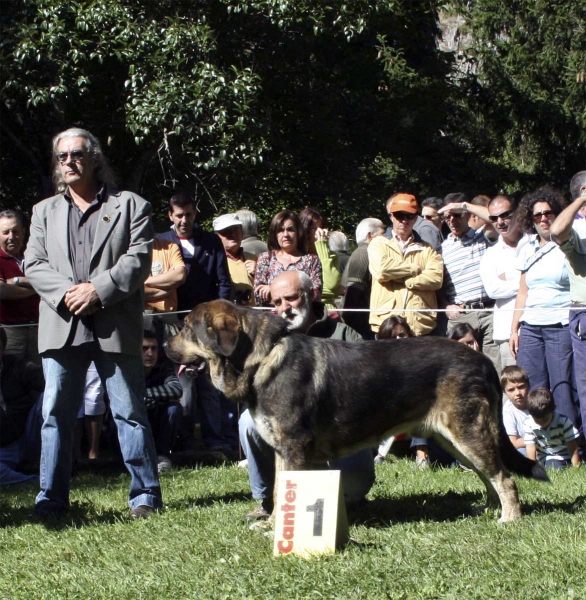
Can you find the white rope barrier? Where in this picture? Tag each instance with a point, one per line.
(360, 310)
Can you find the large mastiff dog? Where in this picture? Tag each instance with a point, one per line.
(315, 400)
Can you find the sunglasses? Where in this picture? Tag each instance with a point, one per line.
(403, 216)
(76, 156)
(504, 216)
(548, 214)
(429, 217)
(446, 217)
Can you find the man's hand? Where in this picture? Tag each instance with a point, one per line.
(514, 344)
(453, 311)
(250, 266)
(82, 299)
(457, 206)
(264, 292)
(321, 235)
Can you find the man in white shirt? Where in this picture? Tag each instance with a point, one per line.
(499, 276)
(463, 294)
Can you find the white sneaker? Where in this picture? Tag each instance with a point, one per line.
(164, 464)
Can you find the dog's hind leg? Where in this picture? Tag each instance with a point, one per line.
(482, 454)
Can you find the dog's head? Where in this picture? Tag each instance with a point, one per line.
(211, 330)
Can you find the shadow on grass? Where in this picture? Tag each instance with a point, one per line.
(86, 513)
(543, 506)
(194, 501)
(79, 515)
(450, 506)
(382, 512)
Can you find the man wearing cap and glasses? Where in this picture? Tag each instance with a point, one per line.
(424, 227)
(88, 256)
(241, 264)
(405, 270)
(498, 273)
(463, 294)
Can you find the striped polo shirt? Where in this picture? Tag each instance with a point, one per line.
(461, 256)
(551, 440)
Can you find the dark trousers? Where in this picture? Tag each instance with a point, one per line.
(545, 352)
(164, 420)
(578, 336)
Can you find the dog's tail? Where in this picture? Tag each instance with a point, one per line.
(516, 462)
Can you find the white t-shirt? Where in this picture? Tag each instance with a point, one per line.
(514, 418)
(188, 250)
(496, 261)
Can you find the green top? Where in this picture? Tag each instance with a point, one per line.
(330, 272)
(575, 251)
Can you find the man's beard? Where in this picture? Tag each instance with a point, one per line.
(296, 317)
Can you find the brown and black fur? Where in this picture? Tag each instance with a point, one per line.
(315, 399)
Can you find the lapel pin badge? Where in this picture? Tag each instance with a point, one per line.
(106, 218)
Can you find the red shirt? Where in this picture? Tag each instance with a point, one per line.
(12, 312)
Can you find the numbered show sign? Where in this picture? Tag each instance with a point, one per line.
(310, 513)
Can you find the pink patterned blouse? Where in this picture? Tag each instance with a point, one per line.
(268, 268)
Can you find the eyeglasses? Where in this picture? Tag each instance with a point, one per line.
(447, 217)
(504, 216)
(548, 214)
(76, 156)
(403, 216)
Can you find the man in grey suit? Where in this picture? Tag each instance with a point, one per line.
(88, 256)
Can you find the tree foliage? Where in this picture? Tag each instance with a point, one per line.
(272, 103)
(524, 87)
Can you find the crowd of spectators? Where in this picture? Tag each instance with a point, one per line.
(505, 277)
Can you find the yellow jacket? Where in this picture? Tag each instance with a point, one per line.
(404, 280)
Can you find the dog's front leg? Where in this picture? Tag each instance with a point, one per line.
(293, 459)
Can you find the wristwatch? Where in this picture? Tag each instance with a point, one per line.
(16, 280)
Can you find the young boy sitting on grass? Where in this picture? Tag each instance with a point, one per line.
(515, 384)
(549, 436)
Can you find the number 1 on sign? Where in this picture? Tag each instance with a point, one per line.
(318, 517)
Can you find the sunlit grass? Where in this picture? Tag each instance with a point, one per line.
(417, 538)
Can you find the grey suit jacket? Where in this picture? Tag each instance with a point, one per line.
(120, 263)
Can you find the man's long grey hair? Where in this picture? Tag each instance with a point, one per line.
(102, 170)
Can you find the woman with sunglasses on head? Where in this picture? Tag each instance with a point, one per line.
(540, 335)
(287, 251)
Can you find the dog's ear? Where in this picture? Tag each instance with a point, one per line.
(224, 329)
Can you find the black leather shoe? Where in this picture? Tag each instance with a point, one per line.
(142, 512)
(46, 510)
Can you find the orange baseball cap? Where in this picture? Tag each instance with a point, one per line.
(404, 203)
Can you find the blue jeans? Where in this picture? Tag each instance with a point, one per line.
(578, 336)
(555, 464)
(123, 377)
(357, 470)
(546, 355)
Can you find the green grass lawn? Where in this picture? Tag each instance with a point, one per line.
(417, 538)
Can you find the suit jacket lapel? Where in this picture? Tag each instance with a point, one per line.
(109, 215)
(61, 217)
